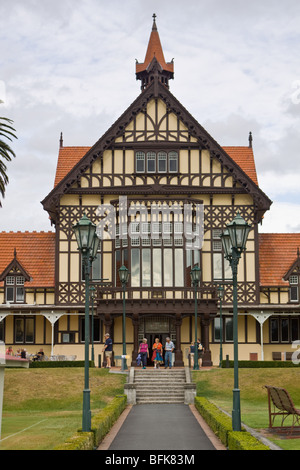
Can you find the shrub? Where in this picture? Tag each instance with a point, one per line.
(244, 441)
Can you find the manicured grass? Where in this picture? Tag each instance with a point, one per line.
(217, 385)
(42, 407)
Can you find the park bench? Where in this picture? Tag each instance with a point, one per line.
(281, 404)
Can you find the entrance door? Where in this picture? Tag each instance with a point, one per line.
(151, 340)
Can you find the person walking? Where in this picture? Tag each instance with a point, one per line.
(157, 353)
(169, 348)
(144, 351)
(192, 353)
(200, 352)
(108, 350)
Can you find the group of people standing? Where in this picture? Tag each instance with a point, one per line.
(157, 353)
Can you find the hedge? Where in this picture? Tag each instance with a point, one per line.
(221, 424)
(100, 425)
(53, 364)
(259, 364)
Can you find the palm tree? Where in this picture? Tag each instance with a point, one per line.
(6, 153)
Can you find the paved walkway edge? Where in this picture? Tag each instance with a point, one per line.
(209, 433)
(105, 444)
(107, 441)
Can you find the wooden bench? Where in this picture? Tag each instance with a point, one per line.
(281, 404)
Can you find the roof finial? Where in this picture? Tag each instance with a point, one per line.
(61, 140)
(250, 140)
(154, 27)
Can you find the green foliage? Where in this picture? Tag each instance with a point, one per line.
(6, 153)
(54, 364)
(244, 441)
(260, 364)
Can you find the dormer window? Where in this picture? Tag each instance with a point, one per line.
(14, 289)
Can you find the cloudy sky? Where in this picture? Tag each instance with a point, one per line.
(69, 66)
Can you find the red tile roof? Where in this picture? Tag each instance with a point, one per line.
(69, 156)
(67, 159)
(277, 254)
(244, 157)
(35, 251)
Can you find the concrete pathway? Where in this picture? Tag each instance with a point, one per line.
(161, 427)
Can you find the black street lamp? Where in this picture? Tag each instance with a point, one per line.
(124, 276)
(195, 278)
(87, 240)
(220, 290)
(234, 240)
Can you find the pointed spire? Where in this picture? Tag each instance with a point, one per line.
(250, 140)
(154, 59)
(61, 140)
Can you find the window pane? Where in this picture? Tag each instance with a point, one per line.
(140, 162)
(151, 162)
(9, 294)
(178, 268)
(29, 322)
(274, 330)
(217, 329)
(294, 293)
(118, 265)
(19, 330)
(20, 294)
(173, 162)
(146, 267)
(229, 329)
(96, 267)
(157, 280)
(135, 267)
(217, 262)
(97, 324)
(168, 268)
(285, 330)
(162, 162)
(294, 329)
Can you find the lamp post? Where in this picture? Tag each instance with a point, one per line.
(195, 278)
(124, 276)
(85, 232)
(221, 296)
(234, 240)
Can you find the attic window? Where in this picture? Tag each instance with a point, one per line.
(14, 289)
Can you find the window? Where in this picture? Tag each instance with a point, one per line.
(294, 288)
(173, 162)
(14, 289)
(160, 162)
(140, 162)
(97, 330)
(151, 162)
(284, 330)
(24, 330)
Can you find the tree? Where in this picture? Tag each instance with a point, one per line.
(6, 153)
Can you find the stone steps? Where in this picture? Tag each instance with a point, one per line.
(159, 386)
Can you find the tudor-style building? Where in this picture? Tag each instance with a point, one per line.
(160, 158)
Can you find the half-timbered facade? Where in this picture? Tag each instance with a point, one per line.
(153, 164)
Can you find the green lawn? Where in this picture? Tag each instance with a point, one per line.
(42, 407)
(217, 385)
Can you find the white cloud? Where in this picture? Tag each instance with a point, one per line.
(69, 65)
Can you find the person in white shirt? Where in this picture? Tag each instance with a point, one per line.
(169, 348)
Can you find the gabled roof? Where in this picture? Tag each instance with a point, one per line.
(158, 90)
(278, 252)
(35, 252)
(69, 156)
